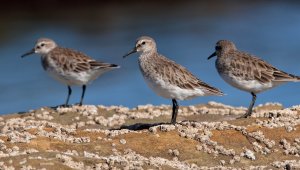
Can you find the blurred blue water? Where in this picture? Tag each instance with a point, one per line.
(184, 32)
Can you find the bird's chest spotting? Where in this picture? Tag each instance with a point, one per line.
(150, 73)
(54, 69)
(156, 82)
(50, 65)
(45, 63)
(153, 77)
(145, 69)
(223, 66)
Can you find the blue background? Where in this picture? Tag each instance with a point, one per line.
(185, 31)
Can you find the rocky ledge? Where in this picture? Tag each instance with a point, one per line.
(98, 137)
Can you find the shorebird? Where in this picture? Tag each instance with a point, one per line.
(166, 78)
(247, 72)
(68, 66)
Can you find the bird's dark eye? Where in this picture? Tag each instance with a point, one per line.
(218, 48)
(143, 43)
(42, 45)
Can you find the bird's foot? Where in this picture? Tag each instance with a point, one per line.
(61, 106)
(78, 104)
(64, 105)
(247, 115)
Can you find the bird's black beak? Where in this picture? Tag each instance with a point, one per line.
(134, 50)
(28, 53)
(212, 55)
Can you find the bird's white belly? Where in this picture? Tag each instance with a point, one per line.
(171, 91)
(73, 78)
(248, 85)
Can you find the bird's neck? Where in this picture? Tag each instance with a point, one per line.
(148, 55)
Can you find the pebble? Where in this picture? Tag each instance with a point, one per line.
(222, 162)
(248, 154)
(123, 141)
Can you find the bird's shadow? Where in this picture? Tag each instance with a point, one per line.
(51, 107)
(61, 106)
(140, 126)
(21, 112)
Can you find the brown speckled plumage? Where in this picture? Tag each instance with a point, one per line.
(248, 67)
(156, 65)
(68, 66)
(168, 79)
(74, 61)
(247, 72)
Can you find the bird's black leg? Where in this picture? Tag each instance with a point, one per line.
(175, 111)
(69, 94)
(249, 111)
(82, 95)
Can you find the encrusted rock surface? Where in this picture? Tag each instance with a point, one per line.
(98, 137)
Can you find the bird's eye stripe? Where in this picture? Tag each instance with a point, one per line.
(218, 47)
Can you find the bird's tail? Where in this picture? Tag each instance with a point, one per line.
(295, 78)
(282, 76)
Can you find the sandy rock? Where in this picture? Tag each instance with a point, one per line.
(116, 137)
(248, 154)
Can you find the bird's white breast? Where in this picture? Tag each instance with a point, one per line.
(69, 77)
(164, 88)
(248, 85)
(171, 91)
